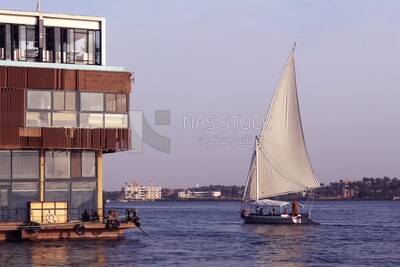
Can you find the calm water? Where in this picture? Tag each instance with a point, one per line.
(211, 234)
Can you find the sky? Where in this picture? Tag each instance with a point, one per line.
(214, 66)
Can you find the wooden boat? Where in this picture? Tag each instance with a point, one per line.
(55, 225)
(280, 164)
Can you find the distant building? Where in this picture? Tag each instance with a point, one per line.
(199, 194)
(135, 191)
(347, 190)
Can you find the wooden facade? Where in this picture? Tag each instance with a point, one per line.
(13, 84)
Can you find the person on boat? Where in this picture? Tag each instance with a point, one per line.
(257, 210)
(273, 212)
(295, 208)
(285, 211)
(260, 212)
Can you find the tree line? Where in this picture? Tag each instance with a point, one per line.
(366, 188)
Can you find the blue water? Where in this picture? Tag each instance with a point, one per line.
(212, 234)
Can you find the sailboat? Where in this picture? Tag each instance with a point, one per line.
(280, 164)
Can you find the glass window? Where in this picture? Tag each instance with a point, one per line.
(59, 101)
(83, 186)
(22, 42)
(91, 120)
(15, 41)
(64, 119)
(32, 43)
(92, 101)
(20, 195)
(25, 164)
(49, 47)
(3, 197)
(57, 45)
(111, 102)
(2, 40)
(25, 187)
(83, 196)
(81, 46)
(56, 191)
(63, 41)
(92, 47)
(38, 99)
(70, 101)
(116, 120)
(98, 48)
(88, 164)
(38, 119)
(7, 42)
(57, 186)
(57, 164)
(5, 163)
(64, 100)
(121, 103)
(70, 46)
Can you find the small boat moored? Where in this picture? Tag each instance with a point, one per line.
(53, 223)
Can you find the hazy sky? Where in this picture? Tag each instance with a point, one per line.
(221, 60)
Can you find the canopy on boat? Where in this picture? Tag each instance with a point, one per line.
(270, 202)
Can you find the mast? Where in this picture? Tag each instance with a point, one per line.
(257, 186)
(38, 6)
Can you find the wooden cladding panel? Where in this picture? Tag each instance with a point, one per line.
(9, 137)
(3, 76)
(42, 78)
(104, 81)
(103, 139)
(17, 77)
(65, 79)
(68, 79)
(64, 138)
(12, 107)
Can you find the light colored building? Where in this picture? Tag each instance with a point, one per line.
(347, 190)
(199, 194)
(135, 191)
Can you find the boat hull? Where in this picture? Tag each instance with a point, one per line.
(303, 218)
(21, 231)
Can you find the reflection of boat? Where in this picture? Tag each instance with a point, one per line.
(280, 163)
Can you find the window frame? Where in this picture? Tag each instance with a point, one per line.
(99, 111)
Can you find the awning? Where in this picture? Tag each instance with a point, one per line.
(270, 202)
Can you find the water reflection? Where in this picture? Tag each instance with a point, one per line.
(71, 252)
(288, 244)
(47, 254)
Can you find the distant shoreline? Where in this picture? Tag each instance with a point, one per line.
(238, 200)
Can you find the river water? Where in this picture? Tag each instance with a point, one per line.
(211, 233)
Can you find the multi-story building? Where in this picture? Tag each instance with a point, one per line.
(61, 109)
(135, 191)
(199, 194)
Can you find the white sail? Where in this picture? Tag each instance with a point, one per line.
(281, 165)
